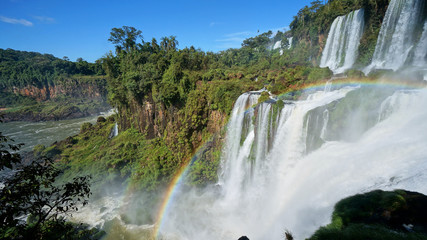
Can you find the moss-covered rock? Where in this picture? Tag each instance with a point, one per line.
(378, 215)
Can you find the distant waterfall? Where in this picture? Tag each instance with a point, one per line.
(343, 41)
(290, 41)
(396, 38)
(277, 45)
(116, 130)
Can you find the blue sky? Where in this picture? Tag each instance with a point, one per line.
(81, 28)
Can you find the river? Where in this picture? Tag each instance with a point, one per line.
(45, 133)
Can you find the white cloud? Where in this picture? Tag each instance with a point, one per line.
(233, 40)
(44, 19)
(241, 34)
(16, 21)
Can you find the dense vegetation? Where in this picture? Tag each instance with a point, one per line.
(33, 204)
(173, 101)
(38, 87)
(378, 215)
(20, 69)
(170, 103)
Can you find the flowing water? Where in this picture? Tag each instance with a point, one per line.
(277, 45)
(343, 41)
(45, 133)
(421, 50)
(115, 130)
(397, 36)
(290, 41)
(286, 163)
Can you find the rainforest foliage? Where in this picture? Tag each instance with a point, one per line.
(173, 103)
(20, 69)
(192, 94)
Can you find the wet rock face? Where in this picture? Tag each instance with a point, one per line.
(75, 89)
(153, 119)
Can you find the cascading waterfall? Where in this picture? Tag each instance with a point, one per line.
(396, 38)
(286, 163)
(420, 58)
(278, 45)
(343, 41)
(236, 151)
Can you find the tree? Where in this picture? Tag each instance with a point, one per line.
(7, 159)
(125, 37)
(154, 45)
(32, 192)
(173, 43)
(169, 43)
(164, 43)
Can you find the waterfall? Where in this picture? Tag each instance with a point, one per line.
(277, 45)
(396, 38)
(421, 50)
(286, 163)
(114, 131)
(343, 41)
(290, 41)
(235, 151)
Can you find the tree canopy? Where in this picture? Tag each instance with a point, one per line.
(125, 37)
(20, 69)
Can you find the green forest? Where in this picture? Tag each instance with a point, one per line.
(40, 87)
(20, 68)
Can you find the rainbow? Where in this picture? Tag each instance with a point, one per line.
(177, 180)
(341, 82)
(169, 195)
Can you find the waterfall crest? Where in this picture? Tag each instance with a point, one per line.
(343, 41)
